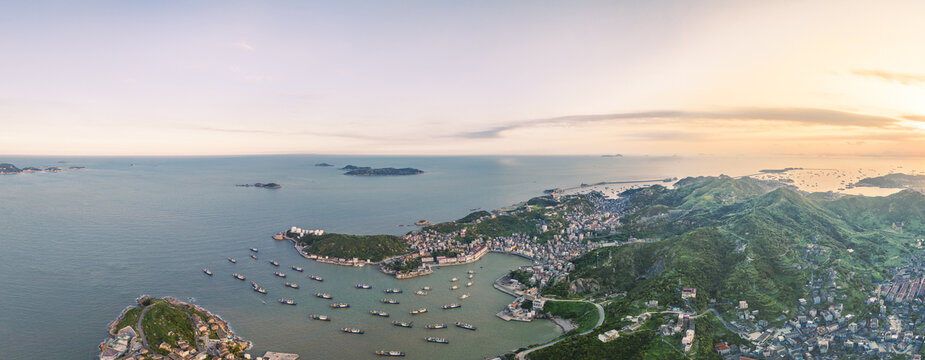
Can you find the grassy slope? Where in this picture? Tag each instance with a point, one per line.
(373, 247)
(162, 318)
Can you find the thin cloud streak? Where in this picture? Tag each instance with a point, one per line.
(901, 78)
(288, 133)
(800, 115)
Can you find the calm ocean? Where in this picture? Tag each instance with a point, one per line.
(77, 247)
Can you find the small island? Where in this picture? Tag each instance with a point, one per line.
(778, 171)
(170, 328)
(262, 185)
(895, 181)
(10, 169)
(369, 171)
(324, 164)
(7, 168)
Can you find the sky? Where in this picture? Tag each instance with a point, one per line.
(462, 77)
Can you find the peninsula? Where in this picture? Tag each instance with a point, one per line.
(369, 171)
(898, 180)
(10, 169)
(162, 328)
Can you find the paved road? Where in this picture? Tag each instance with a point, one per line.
(600, 320)
(141, 331)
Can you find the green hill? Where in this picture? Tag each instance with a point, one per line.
(372, 247)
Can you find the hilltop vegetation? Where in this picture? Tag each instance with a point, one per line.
(372, 247)
(893, 181)
(734, 240)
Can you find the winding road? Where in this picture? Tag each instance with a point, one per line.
(600, 320)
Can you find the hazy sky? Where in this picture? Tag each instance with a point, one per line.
(462, 77)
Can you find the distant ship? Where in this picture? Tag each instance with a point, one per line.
(402, 324)
(352, 330)
(340, 306)
(277, 273)
(435, 326)
(464, 296)
(207, 272)
(274, 263)
(296, 268)
(465, 326)
(418, 311)
(437, 340)
(316, 278)
(238, 276)
(363, 286)
(451, 306)
(389, 301)
(254, 249)
(389, 353)
(379, 313)
(392, 291)
(324, 296)
(287, 301)
(292, 285)
(320, 317)
(233, 260)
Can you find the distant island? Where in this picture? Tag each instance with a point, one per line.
(262, 185)
(893, 181)
(169, 328)
(369, 171)
(778, 171)
(10, 169)
(323, 164)
(612, 156)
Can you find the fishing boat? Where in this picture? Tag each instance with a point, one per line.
(320, 317)
(363, 286)
(389, 353)
(435, 326)
(426, 288)
(392, 291)
(340, 306)
(471, 276)
(277, 273)
(464, 296)
(316, 278)
(233, 260)
(238, 276)
(261, 290)
(292, 285)
(451, 306)
(274, 263)
(254, 249)
(465, 326)
(379, 313)
(418, 311)
(402, 324)
(207, 272)
(253, 256)
(324, 296)
(352, 330)
(421, 292)
(470, 272)
(287, 301)
(468, 284)
(454, 287)
(389, 301)
(437, 340)
(455, 279)
(296, 268)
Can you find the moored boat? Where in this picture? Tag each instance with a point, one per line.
(253, 256)
(340, 306)
(277, 273)
(455, 279)
(324, 296)
(292, 285)
(254, 249)
(454, 287)
(238, 276)
(421, 292)
(233, 260)
(418, 311)
(287, 301)
(426, 288)
(470, 272)
(464, 296)
(392, 291)
(389, 353)
(207, 272)
(465, 326)
(435, 326)
(403, 324)
(352, 330)
(389, 301)
(468, 284)
(274, 263)
(437, 340)
(316, 278)
(451, 306)
(379, 313)
(471, 276)
(320, 317)
(296, 268)
(363, 286)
